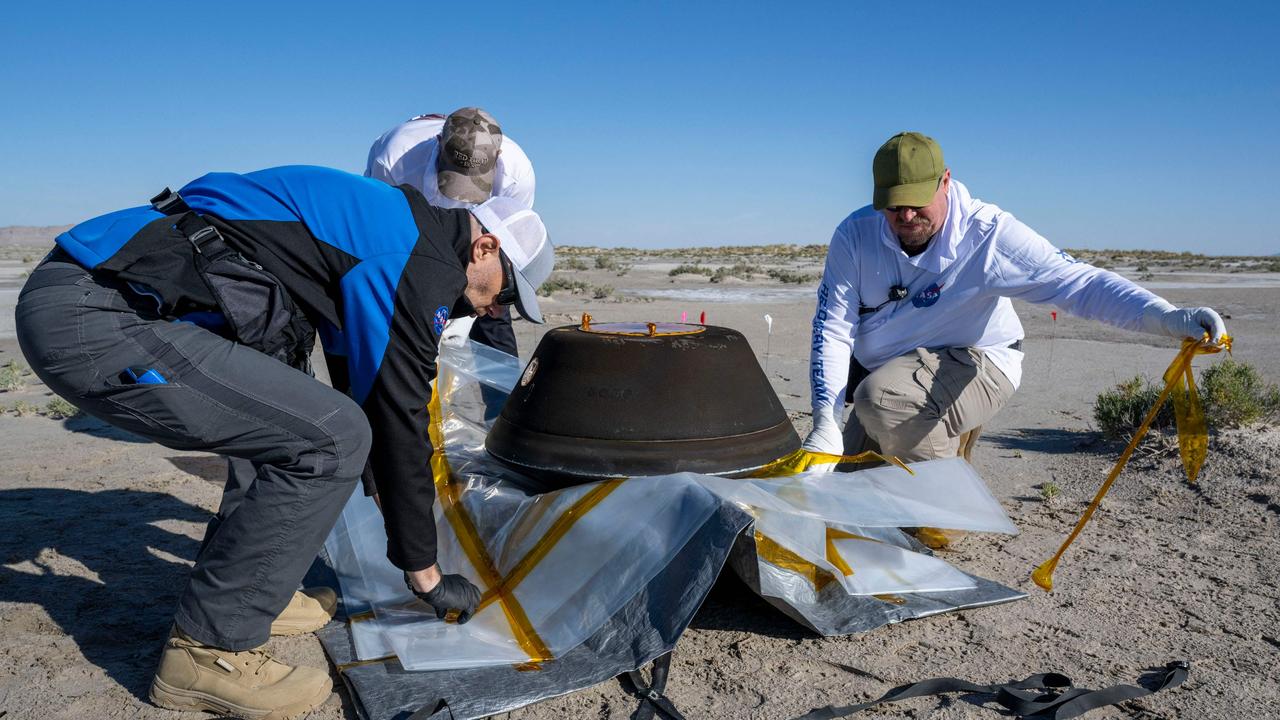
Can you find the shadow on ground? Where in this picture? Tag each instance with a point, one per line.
(120, 618)
(89, 425)
(731, 605)
(1052, 441)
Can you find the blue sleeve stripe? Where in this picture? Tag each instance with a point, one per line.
(369, 301)
(359, 216)
(93, 241)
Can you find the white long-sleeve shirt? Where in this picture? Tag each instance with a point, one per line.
(958, 292)
(407, 154)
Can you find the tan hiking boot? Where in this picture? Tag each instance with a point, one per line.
(246, 684)
(308, 610)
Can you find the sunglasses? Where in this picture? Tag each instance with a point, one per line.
(509, 293)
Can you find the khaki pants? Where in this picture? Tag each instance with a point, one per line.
(918, 405)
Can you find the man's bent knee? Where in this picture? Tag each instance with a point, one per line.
(352, 438)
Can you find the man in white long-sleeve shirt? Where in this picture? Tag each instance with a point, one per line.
(457, 161)
(917, 289)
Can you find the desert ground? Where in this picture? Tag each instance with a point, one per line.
(99, 529)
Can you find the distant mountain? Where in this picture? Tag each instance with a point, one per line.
(26, 235)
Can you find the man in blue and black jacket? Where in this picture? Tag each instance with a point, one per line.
(189, 322)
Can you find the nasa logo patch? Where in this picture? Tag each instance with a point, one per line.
(927, 296)
(441, 317)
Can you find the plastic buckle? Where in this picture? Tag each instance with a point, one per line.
(205, 233)
(167, 201)
(1179, 665)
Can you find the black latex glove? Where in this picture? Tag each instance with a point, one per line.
(454, 592)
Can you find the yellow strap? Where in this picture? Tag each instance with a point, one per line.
(1193, 441)
(774, 554)
(543, 546)
(450, 497)
(801, 460)
(833, 555)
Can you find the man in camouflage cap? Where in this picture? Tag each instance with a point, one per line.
(471, 142)
(915, 298)
(458, 161)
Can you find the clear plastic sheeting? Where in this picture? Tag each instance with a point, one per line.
(942, 493)
(562, 572)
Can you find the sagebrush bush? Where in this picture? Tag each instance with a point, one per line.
(559, 283)
(12, 376)
(58, 409)
(687, 269)
(788, 276)
(1120, 410)
(570, 263)
(1232, 394)
(738, 270)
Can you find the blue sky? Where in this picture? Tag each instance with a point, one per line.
(666, 124)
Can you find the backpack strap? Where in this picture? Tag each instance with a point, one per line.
(652, 701)
(1044, 696)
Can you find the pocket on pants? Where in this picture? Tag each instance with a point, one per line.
(945, 376)
(168, 413)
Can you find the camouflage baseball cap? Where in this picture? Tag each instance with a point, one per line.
(906, 169)
(468, 157)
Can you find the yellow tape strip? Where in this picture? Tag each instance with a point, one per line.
(1190, 423)
(774, 554)
(801, 460)
(833, 555)
(554, 534)
(357, 663)
(450, 498)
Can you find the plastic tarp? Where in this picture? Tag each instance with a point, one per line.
(584, 583)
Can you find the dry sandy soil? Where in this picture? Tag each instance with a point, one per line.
(98, 531)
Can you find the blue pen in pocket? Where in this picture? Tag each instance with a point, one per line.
(142, 376)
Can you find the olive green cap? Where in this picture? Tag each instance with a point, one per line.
(906, 169)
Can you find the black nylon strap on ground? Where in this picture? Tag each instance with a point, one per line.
(1045, 696)
(652, 701)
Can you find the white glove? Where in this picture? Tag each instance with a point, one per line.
(824, 438)
(1184, 322)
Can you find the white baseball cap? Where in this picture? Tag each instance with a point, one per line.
(524, 241)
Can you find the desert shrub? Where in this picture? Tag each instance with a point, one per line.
(57, 409)
(738, 270)
(610, 263)
(22, 408)
(600, 292)
(787, 276)
(686, 269)
(1049, 490)
(12, 376)
(571, 263)
(1234, 394)
(1120, 410)
(559, 283)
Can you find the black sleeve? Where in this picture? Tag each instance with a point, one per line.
(397, 408)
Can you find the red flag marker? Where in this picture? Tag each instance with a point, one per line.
(1054, 313)
(702, 320)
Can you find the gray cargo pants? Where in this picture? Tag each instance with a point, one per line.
(917, 406)
(306, 442)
